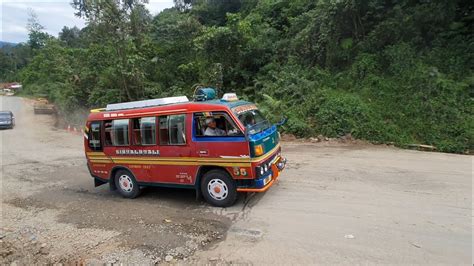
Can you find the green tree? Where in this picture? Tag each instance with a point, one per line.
(37, 36)
(70, 36)
(120, 26)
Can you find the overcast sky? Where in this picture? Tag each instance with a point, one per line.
(52, 14)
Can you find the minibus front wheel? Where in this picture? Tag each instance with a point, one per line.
(126, 184)
(218, 188)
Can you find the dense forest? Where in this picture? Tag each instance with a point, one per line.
(397, 71)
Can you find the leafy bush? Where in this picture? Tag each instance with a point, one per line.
(340, 114)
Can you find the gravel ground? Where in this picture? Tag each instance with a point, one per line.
(336, 203)
(51, 212)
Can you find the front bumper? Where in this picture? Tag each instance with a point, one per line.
(263, 183)
(6, 125)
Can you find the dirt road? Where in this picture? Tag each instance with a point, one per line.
(336, 203)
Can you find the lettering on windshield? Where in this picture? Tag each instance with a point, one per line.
(244, 108)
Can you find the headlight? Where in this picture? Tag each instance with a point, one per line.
(261, 171)
(266, 167)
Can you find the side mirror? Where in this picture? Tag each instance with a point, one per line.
(282, 121)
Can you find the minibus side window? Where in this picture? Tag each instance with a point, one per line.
(144, 131)
(108, 132)
(172, 130)
(116, 132)
(163, 122)
(94, 137)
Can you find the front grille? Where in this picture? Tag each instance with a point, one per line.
(267, 161)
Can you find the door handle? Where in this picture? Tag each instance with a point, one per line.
(203, 153)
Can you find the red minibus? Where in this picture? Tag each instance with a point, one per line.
(218, 147)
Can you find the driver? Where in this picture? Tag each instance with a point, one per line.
(249, 121)
(212, 129)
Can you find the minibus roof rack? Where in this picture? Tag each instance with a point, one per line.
(146, 103)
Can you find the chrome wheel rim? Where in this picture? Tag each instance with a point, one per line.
(217, 189)
(126, 183)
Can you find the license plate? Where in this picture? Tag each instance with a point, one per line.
(267, 179)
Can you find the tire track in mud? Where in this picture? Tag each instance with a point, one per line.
(157, 224)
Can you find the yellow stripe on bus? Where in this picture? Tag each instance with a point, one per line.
(101, 161)
(170, 159)
(171, 163)
(178, 160)
(185, 159)
(95, 153)
(180, 163)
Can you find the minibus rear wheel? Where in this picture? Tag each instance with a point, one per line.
(218, 188)
(126, 184)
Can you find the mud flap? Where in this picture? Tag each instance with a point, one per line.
(198, 194)
(98, 182)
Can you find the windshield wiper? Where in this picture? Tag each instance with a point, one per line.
(256, 127)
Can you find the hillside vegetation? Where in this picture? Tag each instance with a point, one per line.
(382, 70)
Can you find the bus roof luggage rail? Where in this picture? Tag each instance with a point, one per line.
(146, 103)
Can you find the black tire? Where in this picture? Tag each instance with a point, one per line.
(129, 187)
(218, 188)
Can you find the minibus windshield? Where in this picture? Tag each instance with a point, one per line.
(253, 121)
